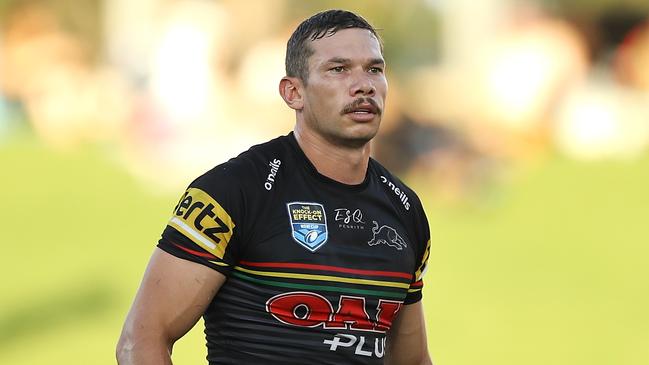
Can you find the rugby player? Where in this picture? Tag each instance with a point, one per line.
(303, 249)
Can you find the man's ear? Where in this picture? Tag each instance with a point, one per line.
(290, 88)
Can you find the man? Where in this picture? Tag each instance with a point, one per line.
(302, 249)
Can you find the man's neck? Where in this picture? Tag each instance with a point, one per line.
(344, 164)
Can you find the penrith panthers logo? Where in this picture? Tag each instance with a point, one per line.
(386, 235)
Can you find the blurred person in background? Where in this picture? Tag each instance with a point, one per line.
(49, 71)
(631, 60)
(302, 249)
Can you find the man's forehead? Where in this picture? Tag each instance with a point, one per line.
(352, 43)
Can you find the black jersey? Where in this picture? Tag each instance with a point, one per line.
(316, 269)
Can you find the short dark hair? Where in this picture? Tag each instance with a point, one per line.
(320, 25)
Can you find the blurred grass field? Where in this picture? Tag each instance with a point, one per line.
(552, 270)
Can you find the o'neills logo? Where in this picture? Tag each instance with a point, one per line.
(274, 167)
(401, 194)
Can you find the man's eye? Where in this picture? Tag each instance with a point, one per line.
(337, 69)
(376, 70)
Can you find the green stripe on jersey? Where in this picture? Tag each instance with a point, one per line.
(375, 293)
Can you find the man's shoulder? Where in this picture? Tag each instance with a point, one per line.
(404, 200)
(249, 165)
(395, 187)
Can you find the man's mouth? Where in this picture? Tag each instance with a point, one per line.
(362, 110)
(365, 110)
(362, 107)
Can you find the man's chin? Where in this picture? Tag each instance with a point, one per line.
(354, 139)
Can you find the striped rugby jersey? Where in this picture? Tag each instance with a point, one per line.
(316, 270)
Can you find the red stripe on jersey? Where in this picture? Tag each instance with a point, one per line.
(293, 265)
(417, 284)
(197, 253)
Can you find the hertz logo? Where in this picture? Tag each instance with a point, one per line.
(203, 220)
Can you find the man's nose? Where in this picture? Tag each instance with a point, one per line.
(362, 85)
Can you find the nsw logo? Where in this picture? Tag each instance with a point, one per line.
(308, 224)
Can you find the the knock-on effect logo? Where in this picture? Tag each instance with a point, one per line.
(308, 224)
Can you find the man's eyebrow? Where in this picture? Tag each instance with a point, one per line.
(373, 61)
(339, 60)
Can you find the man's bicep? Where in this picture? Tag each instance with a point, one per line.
(407, 343)
(173, 295)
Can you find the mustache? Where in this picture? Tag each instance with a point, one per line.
(349, 108)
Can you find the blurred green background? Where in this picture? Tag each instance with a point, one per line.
(523, 126)
(551, 272)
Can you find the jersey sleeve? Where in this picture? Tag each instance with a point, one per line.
(423, 252)
(204, 226)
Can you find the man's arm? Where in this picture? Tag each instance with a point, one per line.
(406, 342)
(173, 295)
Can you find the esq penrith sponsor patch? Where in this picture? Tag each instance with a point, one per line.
(308, 224)
(203, 220)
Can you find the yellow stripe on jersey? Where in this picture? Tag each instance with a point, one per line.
(203, 220)
(219, 263)
(324, 278)
(422, 266)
